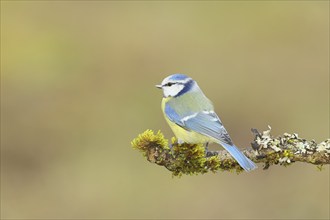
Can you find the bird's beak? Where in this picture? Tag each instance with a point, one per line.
(159, 86)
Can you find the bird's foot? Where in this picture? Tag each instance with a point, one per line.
(209, 153)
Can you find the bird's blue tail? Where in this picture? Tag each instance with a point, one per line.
(242, 160)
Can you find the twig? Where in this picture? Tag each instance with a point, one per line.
(192, 159)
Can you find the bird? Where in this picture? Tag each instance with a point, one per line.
(191, 116)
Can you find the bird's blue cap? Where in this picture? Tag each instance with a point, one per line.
(178, 76)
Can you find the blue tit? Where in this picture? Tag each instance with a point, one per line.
(191, 116)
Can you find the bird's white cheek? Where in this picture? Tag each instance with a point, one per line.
(173, 90)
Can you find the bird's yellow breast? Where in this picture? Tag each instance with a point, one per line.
(183, 134)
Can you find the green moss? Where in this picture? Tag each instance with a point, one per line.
(181, 159)
(149, 139)
(273, 157)
(288, 154)
(231, 166)
(189, 159)
(320, 167)
(283, 158)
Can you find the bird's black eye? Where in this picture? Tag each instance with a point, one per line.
(170, 84)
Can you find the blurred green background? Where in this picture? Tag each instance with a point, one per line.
(77, 85)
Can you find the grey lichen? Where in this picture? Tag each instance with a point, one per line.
(289, 148)
(192, 159)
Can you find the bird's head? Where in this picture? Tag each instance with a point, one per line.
(176, 85)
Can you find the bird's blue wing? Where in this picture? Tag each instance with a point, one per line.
(173, 115)
(209, 124)
(204, 122)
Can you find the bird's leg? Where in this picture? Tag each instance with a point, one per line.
(179, 142)
(209, 153)
(207, 147)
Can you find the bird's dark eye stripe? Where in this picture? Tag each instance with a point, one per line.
(173, 83)
(169, 84)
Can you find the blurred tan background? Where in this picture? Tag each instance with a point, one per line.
(77, 85)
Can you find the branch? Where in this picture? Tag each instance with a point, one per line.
(192, 159)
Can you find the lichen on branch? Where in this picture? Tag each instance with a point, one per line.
(192, 159)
